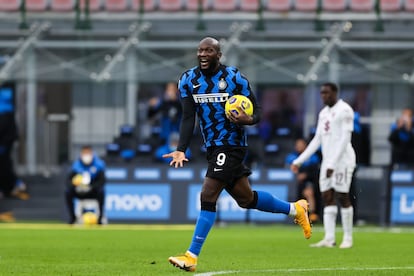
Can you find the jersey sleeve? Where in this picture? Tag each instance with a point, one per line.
(189, 113)
(348, 119)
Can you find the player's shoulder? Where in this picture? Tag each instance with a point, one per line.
(345, 106)
(187, 74)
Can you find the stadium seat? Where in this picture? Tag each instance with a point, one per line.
(62, 5)
(116, 5)
(390, 5)
(334, 5)
(362, 5)
(250, 5)
(149, 5)
(94, 5)
(306, 5)
(192, 5)
(9, 5)
(224, 5)
(36, 5)
(278, 5)
(409, 5)
(170, 5)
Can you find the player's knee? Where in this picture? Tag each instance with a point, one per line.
(208, 206)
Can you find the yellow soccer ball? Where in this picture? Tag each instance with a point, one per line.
(89, 218)
(239, 101)
(77, 180)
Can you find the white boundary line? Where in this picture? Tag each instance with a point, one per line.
(287, 270)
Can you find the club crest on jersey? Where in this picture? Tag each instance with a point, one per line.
(211, 98)
(222, 84)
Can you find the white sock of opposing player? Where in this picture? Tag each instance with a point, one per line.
(329, 221)
(347, 217)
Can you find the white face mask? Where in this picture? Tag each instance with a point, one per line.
(86, 158)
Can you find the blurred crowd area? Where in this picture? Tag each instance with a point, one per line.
(270, 141)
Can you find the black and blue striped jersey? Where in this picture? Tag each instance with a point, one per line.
(206, 96)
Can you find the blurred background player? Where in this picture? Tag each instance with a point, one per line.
(401, 138)
(307, 178)
(204, 90)
(10, 184)
(333, 133)
(86, 180)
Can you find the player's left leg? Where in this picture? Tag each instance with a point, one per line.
(264, 201)
(342, 187)
(347, 217)
(205, 221)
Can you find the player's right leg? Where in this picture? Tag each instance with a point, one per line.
(206, 218)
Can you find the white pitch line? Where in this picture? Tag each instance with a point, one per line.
(306, 270)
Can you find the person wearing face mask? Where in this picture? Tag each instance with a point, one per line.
(86, 180)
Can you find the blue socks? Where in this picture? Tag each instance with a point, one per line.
(204, 223)
(268, 203)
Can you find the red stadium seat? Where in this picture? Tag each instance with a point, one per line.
(171, 5)
(192, 5)
(224, 5)
(149, 5)
(278, 5)
(36, 5)
(362, 5)
(62, 5)
(94, 5)
(334, 5)
(409, 5)
(306, 5)
(116, 5)
(390, 5)
(249, 5)
(9, 5)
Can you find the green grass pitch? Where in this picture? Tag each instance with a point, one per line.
(57, 249)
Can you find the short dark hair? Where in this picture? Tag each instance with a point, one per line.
(86, 147)
(331, 85)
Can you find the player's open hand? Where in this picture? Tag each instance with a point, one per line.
(178, 158)
(239, 117)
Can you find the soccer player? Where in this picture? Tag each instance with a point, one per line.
(204, 90)
(333, 133)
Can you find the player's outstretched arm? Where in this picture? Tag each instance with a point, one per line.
(178, 158)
